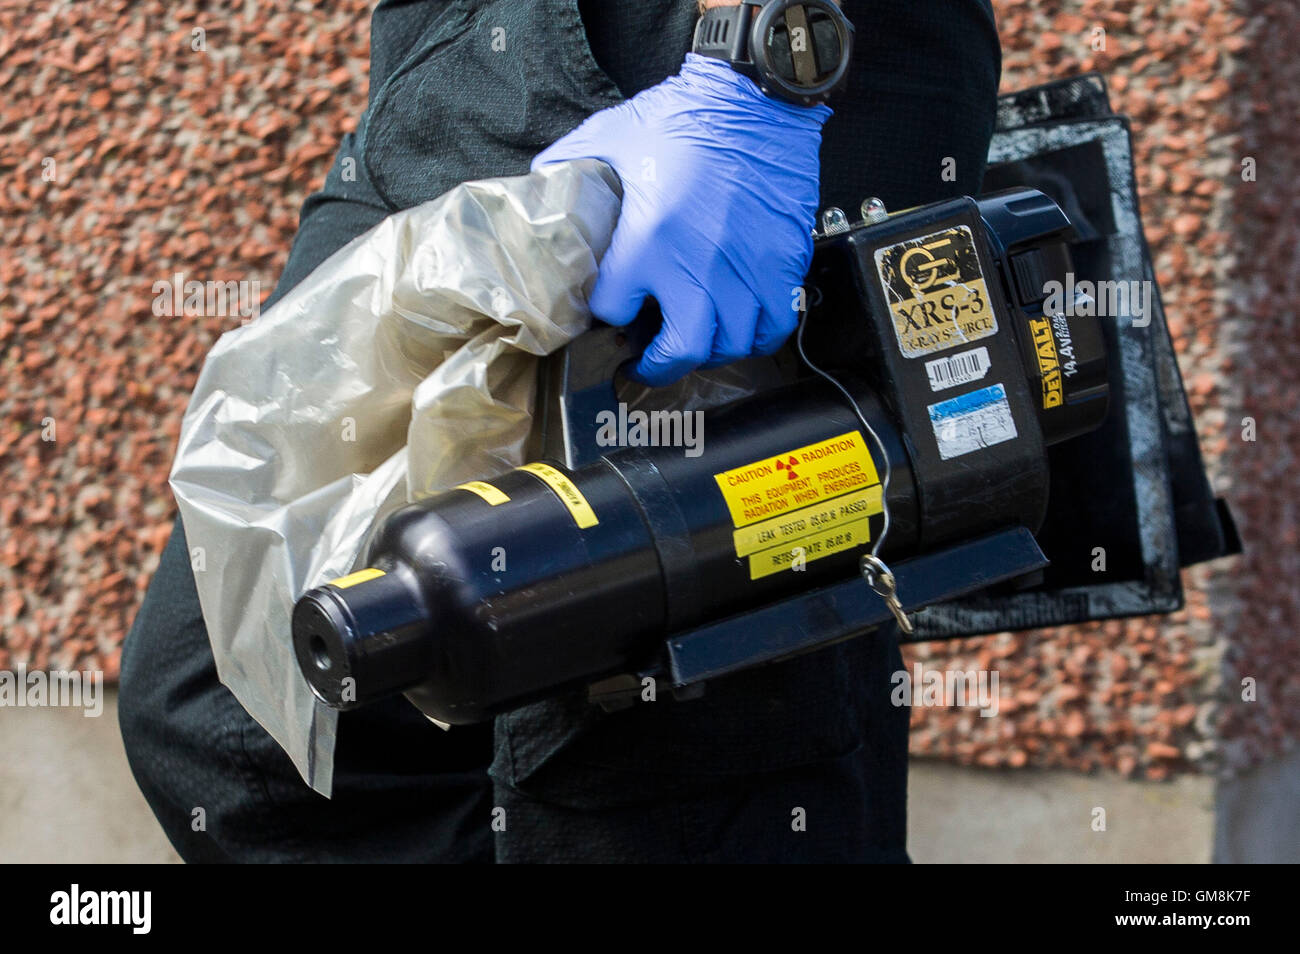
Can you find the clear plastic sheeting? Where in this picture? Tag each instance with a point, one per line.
(404, 365)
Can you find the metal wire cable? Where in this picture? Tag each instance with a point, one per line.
(884, 454)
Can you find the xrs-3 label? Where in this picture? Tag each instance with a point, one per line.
(936, 292)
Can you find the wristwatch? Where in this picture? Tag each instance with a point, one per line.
(795, 50)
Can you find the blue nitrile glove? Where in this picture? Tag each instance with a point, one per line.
(720, 190)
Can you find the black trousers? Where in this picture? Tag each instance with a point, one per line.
(800, 761)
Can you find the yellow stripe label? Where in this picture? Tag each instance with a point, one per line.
(808, 521)
(812, 547)
(485, 490)
(802, 505)
(567, 491)
(352, 579)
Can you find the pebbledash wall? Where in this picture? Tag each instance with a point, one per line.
(149, 142)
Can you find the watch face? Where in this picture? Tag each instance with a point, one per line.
(804, 45)
(801, 51)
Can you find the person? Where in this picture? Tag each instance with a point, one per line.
(804, 760)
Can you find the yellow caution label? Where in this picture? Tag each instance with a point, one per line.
(567, 491)
(802, 505)
(485, 490)
(1049, 362)
(352, 579)
(808, 521)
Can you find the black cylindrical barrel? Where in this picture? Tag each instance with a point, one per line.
(493, 594)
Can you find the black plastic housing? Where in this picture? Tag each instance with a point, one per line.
(934, 298)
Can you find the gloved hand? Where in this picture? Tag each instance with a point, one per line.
(720, 191)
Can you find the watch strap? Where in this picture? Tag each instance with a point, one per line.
(722, 33)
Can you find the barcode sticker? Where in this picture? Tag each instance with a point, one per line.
(958, 369)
